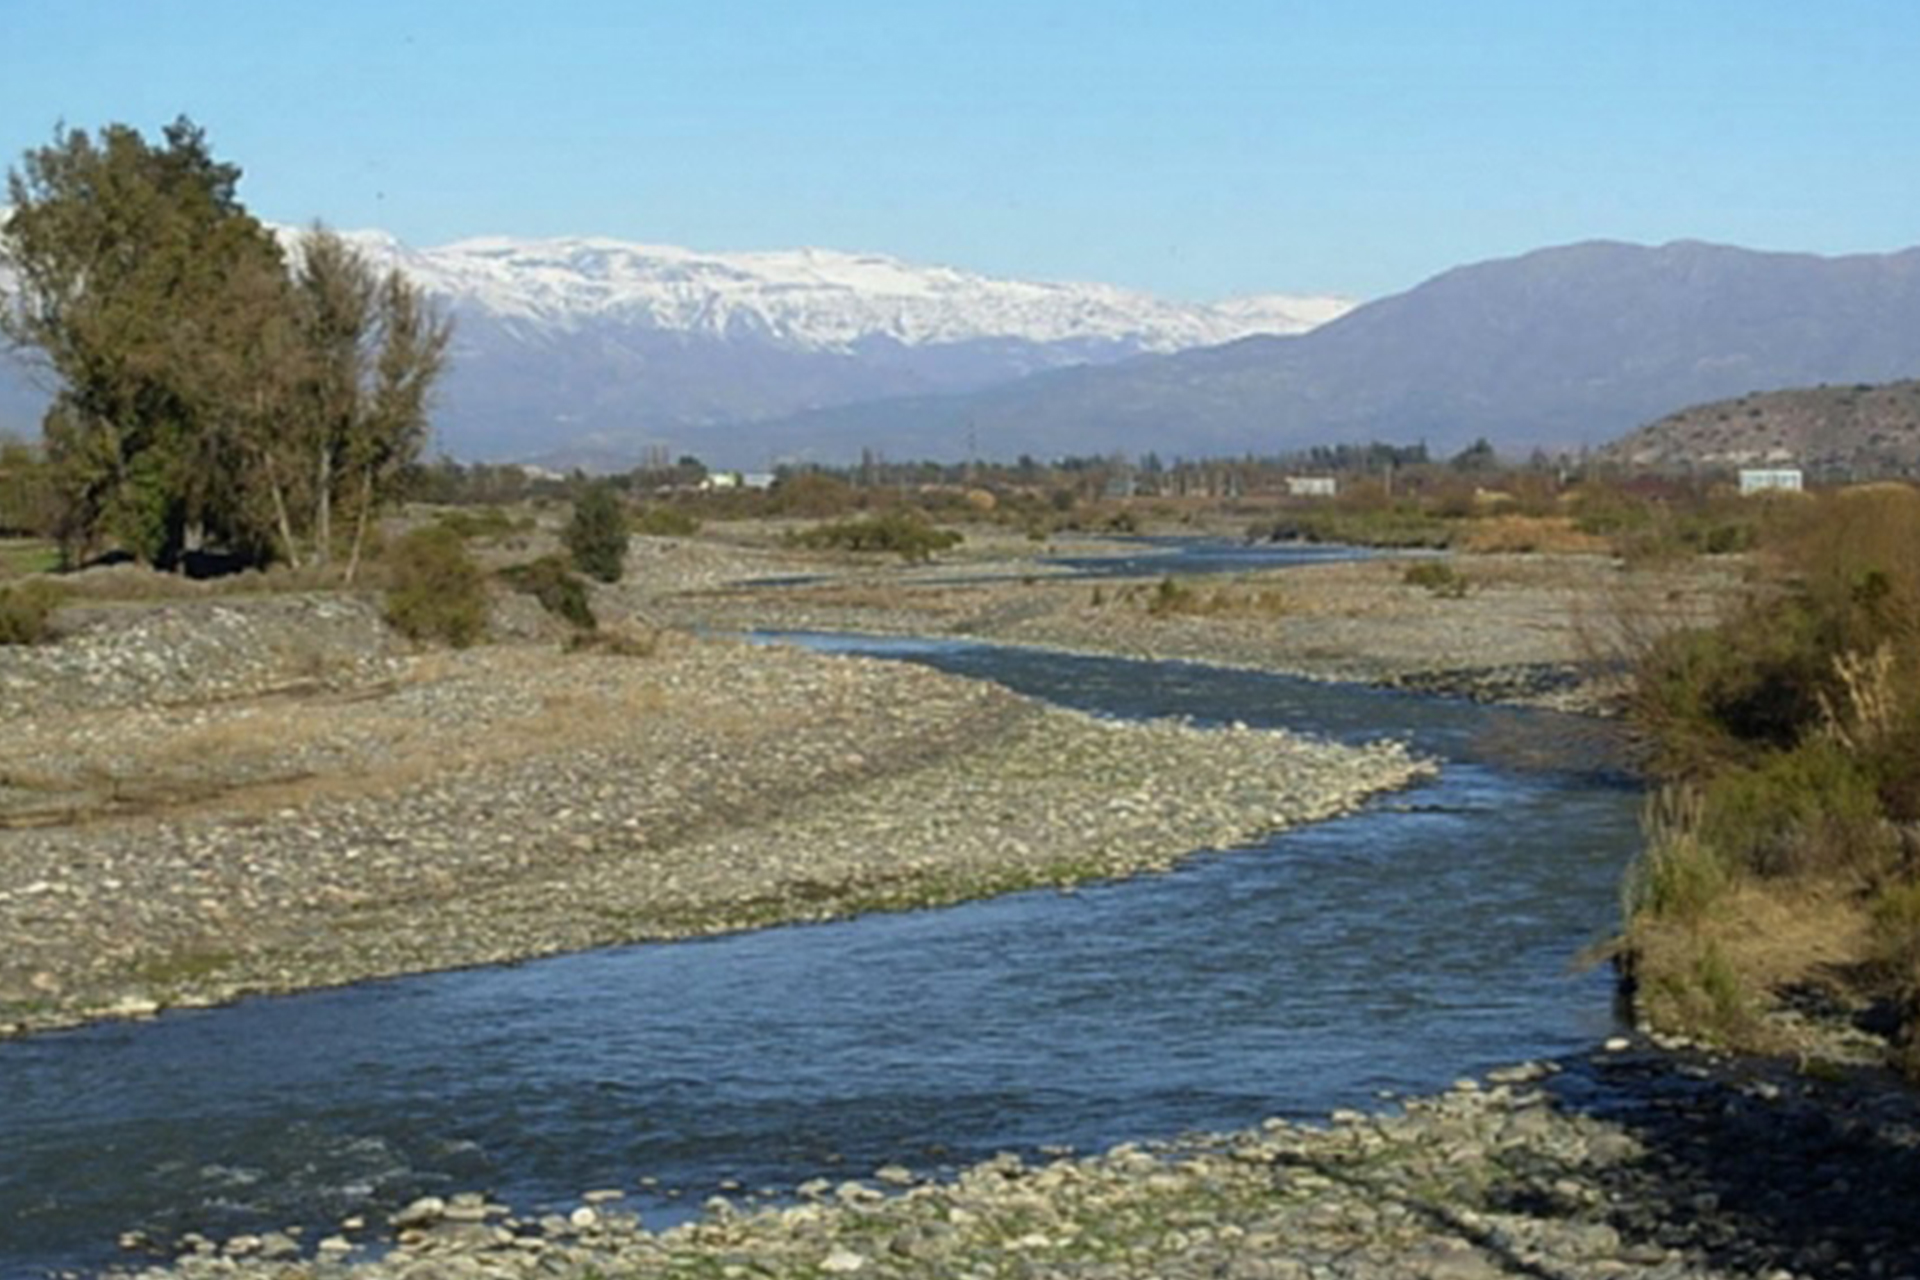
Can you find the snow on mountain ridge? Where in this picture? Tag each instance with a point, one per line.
(817, 298)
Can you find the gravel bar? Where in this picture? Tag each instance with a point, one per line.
(172, 834)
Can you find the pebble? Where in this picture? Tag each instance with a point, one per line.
(1373, 1201)
(865, 765)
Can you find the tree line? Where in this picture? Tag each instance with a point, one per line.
(215, 390)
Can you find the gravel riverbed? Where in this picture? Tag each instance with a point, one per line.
(1536, 630)
(1634, 1161)
(204, 798)
(218, 829)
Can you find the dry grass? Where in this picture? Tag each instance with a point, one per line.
(1517, 534)
(1716, 975)
(20, 557)
(259, 754)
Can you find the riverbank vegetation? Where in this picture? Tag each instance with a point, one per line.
(1783, 859)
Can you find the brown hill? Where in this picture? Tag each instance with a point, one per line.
(1843, 433)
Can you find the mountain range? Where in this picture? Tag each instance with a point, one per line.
(573, 349)
(593, 351)
(1561, 348)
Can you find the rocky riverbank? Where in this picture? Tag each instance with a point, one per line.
(200, 799)
(186, 817)
(1636, 1160)
(1535, 630)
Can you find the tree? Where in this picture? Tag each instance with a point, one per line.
(368, 349)
(128, 258)
(596, 534)
(1476, 457)
(26, 491)
(207, 391)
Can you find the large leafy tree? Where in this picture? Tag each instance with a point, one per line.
(208, 389)
(370, 348)
(125, 255)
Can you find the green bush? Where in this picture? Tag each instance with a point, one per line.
(596, 534)
(26, 612)
(435, 591)
(1678, 876)
(1438, 577)
(1172, 596)
(657, 520)
(900, 532)
(560, 591)
(482, 522)
(1813, 810)
(1394, 526)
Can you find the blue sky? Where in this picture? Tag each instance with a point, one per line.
(1196, 150)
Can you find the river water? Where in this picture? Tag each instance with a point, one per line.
(1426, 937)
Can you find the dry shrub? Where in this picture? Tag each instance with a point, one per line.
(26, 611)
(903, 533)
(1797, 723)
(1180, 597)
(620, 639)
(1678, 875)
(1715, 976)
(1438, 577)
(1520, 534)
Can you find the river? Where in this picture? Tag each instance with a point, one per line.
(1429, 936)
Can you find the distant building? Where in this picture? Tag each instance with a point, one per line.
(1765, 479)
(1312, 486)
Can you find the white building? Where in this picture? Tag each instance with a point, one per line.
(1765, 479)
(1312, 486)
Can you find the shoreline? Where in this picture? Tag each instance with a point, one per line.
(510, 802)
(1587, 1167)
(1636, 1159)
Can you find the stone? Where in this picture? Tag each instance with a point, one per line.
(423, 1212)
(278, 1245)
(843, 1261)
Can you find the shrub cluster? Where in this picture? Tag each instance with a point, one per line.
(1172, 597)
(1403, 525)
(659, 520)
(1794, 730)
(1438, 577)
(903, 533)
(26, 612)
(489, 522)
(435, 591)
(560, 591)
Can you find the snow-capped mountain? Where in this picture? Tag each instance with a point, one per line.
(820, 299)
(596, 349)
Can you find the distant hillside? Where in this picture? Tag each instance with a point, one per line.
(1844, 432)
(1565, 346)
(570, 351)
